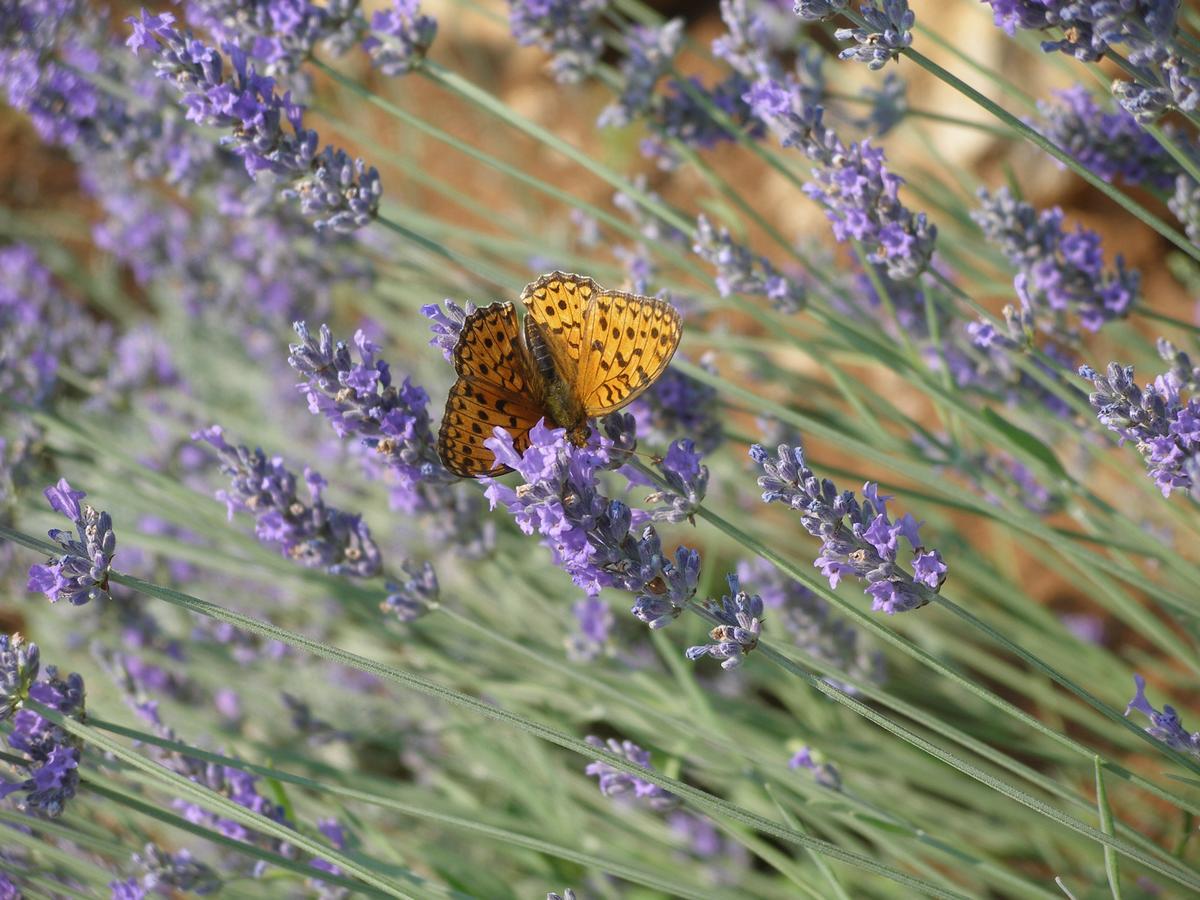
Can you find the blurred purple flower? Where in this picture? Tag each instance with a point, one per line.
(268, 131)
(740, 272)
(825, 773)
(616, 783)
(400, 37)
(1111, 144)
(415, 596)
(677, 405)
(1059, 272)
(313, 534)
(568, 29)
(649, 54)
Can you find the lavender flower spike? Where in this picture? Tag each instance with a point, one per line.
(48, 767)
(417, 595)
(859, 540)
(267, 130)
(400, 37)
(360, 398)
(566, 28)
(446, 324)
(81, 573)
(888, 31)
(741, 617)
(740, 272)
(1165, 429)
(616, 783)
(589, 534)
(313, 534)
(1164, 726)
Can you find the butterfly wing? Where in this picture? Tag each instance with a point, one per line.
(494, 387)
(560, 303)
(630, 340)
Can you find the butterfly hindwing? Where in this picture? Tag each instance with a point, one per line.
(494, 387)
(631, 339)
(473, 410)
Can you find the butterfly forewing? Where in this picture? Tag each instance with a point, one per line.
(560, 303)
(630, 340)
(494, 387)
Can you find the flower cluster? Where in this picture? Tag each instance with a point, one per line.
(400, 37)
(268, 130)
(313, 534)
(676, 405)
(565, 28)
(809, 621)
(81, 573)
(1164, 726)
(166, 873)
(1145, 30)
(858, 539)
(686, 480)
(359, 398)
(649, 52)
(280, 35)
(615, 783)
(48, 772)
(1185, 204)
(740, 625)
(1165, 429)
(415, 596)
(446, 324)
(888, 30)
(40, 330)
(1059, 272)
(590, 535)
(1111, 144)
(741, 272)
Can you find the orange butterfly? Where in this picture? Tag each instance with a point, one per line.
(583, 352)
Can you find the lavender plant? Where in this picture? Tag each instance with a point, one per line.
(400, 683)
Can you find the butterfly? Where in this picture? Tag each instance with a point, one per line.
(581, 352)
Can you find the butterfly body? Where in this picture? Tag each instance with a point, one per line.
(581, 352)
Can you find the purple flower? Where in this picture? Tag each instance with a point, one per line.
(740, 272)
(268, 132)
(858, 539)
(825, 773)
(740, 616)
(649, 54)
(1185, 204)
(415, 596)
(809, 621)
(360, 399)
(1165, 429)
(313, 534)
(1164, 726)
(678, 405)
(888, 31)
(590, 536)
(400, 37)
(1146, 31)
(816, 10)
(446, 324)
(40, 330)
(616, 783)
(48, 771)
(1059, 272)
(81, 573)
(167, 872)
(566, 28)
(1111, 144)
